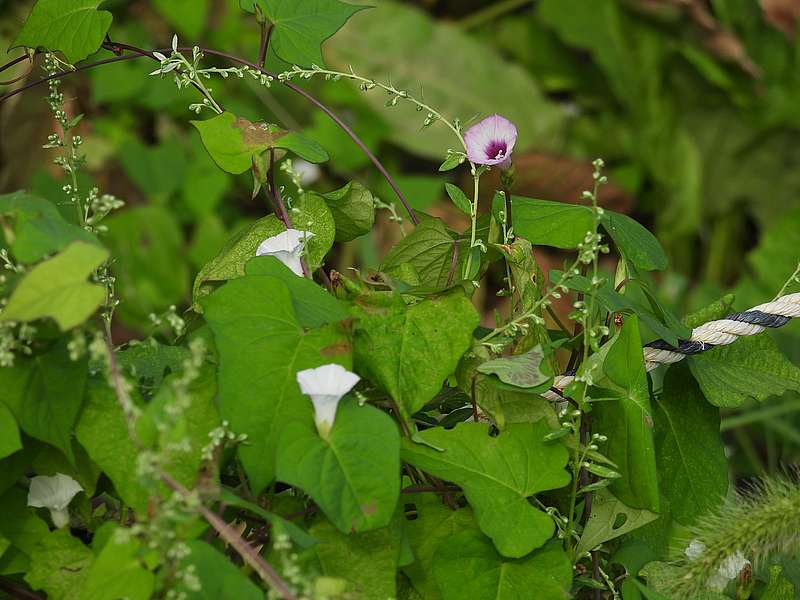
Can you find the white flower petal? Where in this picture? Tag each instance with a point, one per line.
(286, 247)
(326, 385)
(733, 565)
(695, 549)
(54, 493)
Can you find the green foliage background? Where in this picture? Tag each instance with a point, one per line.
(694, 109)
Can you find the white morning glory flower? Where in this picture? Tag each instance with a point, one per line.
(326, 385)
(286, 247)
(728, 570)
(491, 141)
(54, 493)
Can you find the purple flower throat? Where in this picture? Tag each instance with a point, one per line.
(496, 149)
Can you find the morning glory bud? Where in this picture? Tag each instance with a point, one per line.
(325, 386)
(286, 247)
(491, 141)
(54, 493)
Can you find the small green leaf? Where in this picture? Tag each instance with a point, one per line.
(303, 146)
(233, 142)
(353, 210)
(45, 393)
(521, 370)
(219, 578)
(459, 198)
(394, 343)
(634, 242)
(354, 493)
(37, 228)
(57, 288)
(692, 467)
(452, 161)
(428, 251)
(75, 27)
(752, 367)
(467, 566)
(147, 362)
(300, 26)
(498, 474)
(609, 519)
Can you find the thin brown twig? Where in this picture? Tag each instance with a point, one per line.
(249, 555)
(17, 591)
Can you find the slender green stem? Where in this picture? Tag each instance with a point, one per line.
(371, 83)
(476, 178)
(795, 277)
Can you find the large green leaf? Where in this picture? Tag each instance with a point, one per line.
(394, 344)
(353, 210)
(118, 571)
(312, 304)
(628, 420)
(396, 38)
(498, 474)
(59, 565)
(21, 526)
(434, 524)
(234, 142)
(367, 561)
(354, 475)
(57, 288)
(75, 27)
(104, 432)
(609, 519)
(230, 261)
(37, 227)
(219, 578)
(300, 26)
(424, 258)
(311, 213)
(752, 367)
(693, 471)
(258, 391)
(45, 393)
(547, 223)
(10, 441)
(468, 566)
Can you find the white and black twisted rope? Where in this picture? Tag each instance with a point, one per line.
(709, 335)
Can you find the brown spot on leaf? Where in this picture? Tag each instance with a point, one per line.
(258, 134)
(370, 508)
(336, 349)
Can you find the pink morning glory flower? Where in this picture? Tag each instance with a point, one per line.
(491, 141)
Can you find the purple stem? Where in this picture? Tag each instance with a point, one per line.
(137, 52)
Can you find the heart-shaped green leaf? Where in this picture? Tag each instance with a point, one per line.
(498, 474)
